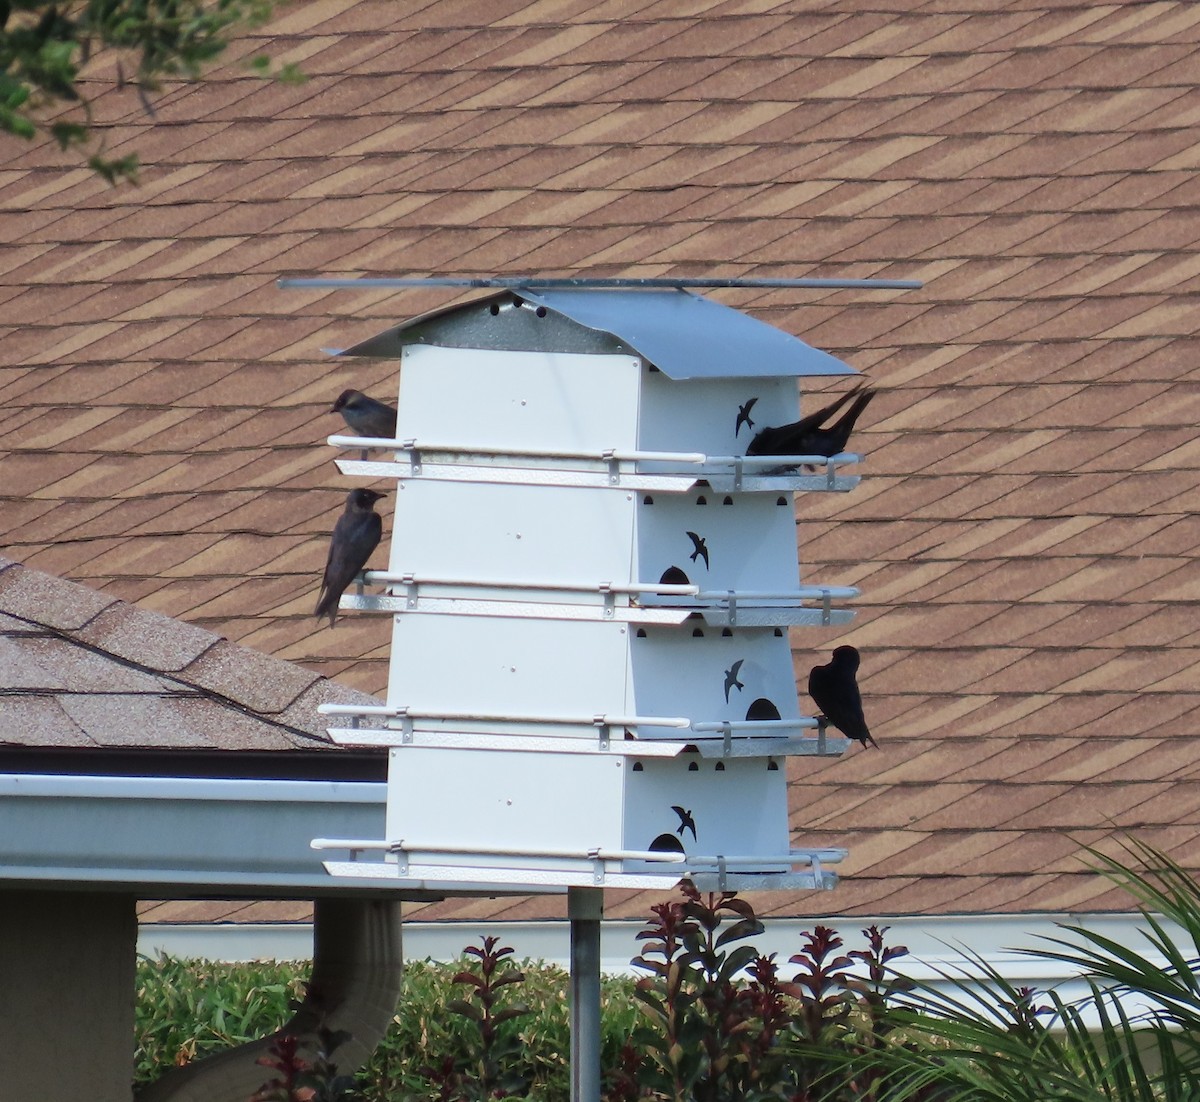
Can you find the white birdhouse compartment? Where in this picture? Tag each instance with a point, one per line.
(714, 676)
(480, 399)
(719, 541)
(504, 668)
(717, 416)
(706, 809)
(531, 815)
(519, 536)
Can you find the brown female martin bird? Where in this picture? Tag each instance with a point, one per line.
(355, 536)
(807, 437)
(366, 416)
(834, 690)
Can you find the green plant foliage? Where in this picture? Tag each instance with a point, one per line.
(424, 1035)
(187, 1009)
(45, 45)
(297, 1079)
(713, 1019)
(988, 1040)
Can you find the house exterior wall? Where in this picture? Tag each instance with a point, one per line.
(67, 963)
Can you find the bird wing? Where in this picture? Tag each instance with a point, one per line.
(355, 536)
(787, 439)
(836, 695)
(736, 666)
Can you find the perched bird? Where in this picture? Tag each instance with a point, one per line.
(807, 437)
(686, 822)
(834, 690)
(743, 417)
(366, 416)
(355, 536)
(700, 549)
(731, 678)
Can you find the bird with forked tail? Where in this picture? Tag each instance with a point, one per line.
(355, 536)
(807, 436)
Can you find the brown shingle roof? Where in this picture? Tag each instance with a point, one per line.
(1025, 536)
(80, 669)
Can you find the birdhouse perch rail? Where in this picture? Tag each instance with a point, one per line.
(593, 720)
(624, 455)
(406, 846)
(379, 577)
(813, 857)
(606, 455)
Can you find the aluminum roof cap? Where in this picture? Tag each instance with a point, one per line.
(682, 334)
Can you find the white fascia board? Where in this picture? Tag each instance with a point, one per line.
(936, 944)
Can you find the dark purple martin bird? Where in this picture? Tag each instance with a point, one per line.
(355, 536)
(366, 416)
(807, 437)
(834, 689)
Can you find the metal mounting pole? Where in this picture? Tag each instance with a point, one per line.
(585, 906)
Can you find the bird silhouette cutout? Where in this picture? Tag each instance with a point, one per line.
(686, 822)
(355, 536)
(761, 709)
(731, 678)
(834, 689)
(807, 436)
(743, 416)
(366, 416)
(700, 549)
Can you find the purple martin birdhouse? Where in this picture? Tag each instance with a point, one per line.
(592, 574)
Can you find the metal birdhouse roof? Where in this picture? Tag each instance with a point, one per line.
(684, 335)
